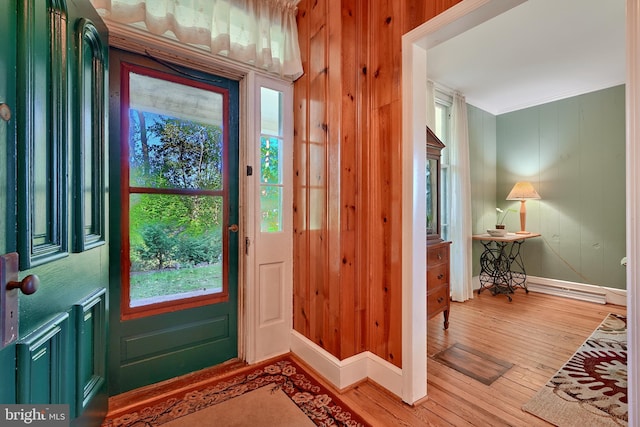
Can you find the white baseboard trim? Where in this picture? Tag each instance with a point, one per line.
(575, 290)
(581, 291)
(344, 373)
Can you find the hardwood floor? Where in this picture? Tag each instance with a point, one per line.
(536, 333)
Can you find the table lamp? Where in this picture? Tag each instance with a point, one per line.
(523, 191)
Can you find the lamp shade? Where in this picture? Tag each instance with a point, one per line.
(522, 191)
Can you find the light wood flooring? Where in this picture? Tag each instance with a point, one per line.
(536, 333)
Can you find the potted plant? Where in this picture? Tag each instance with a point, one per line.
(500, 225)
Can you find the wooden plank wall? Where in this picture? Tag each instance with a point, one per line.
(347, 207)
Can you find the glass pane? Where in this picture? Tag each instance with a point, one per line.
(175, 247)
(270, 112)
(432, 196)
(270, 160)
(175, 135)
(88, 116)
(271, 153)
(445, 208)
(271, 208)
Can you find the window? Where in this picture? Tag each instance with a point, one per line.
(443, 131)
(271, 150)
(177, 191)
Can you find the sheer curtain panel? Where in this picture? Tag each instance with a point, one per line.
(461, 267)
(261, 33)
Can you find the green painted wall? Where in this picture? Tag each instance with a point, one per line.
(482, 152)
(573, 151)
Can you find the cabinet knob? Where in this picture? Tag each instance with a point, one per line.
(440, 276)
(440, 300)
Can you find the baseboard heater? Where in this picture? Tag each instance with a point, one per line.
(558, 290)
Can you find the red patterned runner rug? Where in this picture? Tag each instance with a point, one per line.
(320, 405)
(591, 388)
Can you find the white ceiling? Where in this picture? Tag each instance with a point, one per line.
(537, 52)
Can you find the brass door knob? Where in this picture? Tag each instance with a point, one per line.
(234, 228)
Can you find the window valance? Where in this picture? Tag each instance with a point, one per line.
(261, 33)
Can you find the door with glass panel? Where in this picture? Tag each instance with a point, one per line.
(178, 178)
(270, 295)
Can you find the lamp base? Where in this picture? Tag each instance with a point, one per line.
(523, 232)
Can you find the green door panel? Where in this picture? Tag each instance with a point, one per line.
(53, 156)
(7, 128)
(183, 342)
(91, 339)
(43, 364)
(7, 173)
(42, 134)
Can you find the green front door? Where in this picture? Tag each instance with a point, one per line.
(53, 201)
(7, 170)
(174, 263)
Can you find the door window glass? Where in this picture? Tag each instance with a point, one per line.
(271, 151)
(177, 191)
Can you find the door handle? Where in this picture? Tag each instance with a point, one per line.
(28, 285)
(9, 285)
(234, 228)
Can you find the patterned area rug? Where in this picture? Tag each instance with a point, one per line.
(591, 388)
(321, 406)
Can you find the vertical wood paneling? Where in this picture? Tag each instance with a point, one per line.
(301, 297)
(317, 171)
(353, 294)
(334, 143)
(384, 27)
(347, 207)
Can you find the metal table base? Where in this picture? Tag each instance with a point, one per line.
(501, 265)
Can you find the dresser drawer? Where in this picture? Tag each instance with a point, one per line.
(438, 300)
(437, 275)
(437, 254)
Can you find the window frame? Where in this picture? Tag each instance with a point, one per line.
(444, 102)
(170, 305)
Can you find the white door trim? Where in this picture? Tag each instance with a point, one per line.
(633, 207)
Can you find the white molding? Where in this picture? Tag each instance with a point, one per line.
(580, 291)
(633, 206)
(352, 370)
(574, 290)
(249, 305)
(414, 276)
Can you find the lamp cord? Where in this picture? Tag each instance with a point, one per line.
(582, 276)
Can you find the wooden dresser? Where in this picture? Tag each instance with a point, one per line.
(438, 293)
(438, 298)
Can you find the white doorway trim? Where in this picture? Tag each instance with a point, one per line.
(456, 20)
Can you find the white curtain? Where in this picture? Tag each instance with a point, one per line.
(261, 33)
(460, 228)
